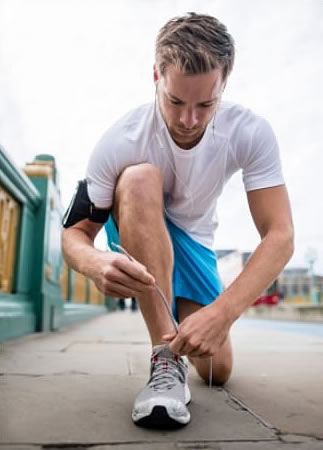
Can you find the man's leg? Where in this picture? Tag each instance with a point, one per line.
(222, 360)
(139, 212)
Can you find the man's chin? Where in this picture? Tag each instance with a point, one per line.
(188, 133)
(186, 138)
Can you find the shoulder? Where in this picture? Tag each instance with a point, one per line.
(235, 120)
(122, 140)
(246, 131)
(133, 124)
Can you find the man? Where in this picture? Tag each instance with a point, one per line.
(156, 175)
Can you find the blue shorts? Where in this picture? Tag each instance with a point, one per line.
(195, 273)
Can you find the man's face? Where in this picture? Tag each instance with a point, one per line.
(188, 102)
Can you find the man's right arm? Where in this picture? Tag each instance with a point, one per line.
(113, 273)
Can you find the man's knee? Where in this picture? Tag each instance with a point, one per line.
(222, 364)
(220, 373)
(220, 376)
(140, 185)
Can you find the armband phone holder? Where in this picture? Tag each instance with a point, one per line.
(81, 208)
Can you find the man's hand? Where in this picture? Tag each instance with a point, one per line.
(115, 275)
(201, 333)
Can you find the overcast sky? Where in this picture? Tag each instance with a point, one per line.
(70, 68)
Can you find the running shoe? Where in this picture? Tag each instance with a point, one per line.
(162, 403)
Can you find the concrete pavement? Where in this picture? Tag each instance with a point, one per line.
(74, 389)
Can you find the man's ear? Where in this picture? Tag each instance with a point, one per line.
(156, 75)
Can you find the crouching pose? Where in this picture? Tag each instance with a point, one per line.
(153, 182)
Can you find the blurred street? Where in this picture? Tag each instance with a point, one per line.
(75, 388)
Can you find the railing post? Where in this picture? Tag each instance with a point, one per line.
(48, 265)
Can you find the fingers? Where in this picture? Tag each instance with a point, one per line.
(195, 353)
(117, 279)
(200, 354)
(177, 345)
(120, 277)
(115, 289)
(134, 269)
(169, 337)
(183, 347)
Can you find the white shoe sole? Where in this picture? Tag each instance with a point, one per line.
(163, 413)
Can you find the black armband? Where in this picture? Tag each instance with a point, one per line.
(81, 208)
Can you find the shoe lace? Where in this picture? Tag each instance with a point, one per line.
(162, 295)
(165, 373)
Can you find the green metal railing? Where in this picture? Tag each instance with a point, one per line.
(31, 263)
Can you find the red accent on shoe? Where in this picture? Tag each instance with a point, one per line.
(165, 365)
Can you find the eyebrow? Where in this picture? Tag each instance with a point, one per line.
(173, 97)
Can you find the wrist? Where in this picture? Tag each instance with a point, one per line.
(227, 308)
(92, 262)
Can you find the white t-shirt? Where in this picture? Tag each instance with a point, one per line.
(193, 179)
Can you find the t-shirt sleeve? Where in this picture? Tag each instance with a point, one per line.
(259, 159)
(124, 144)
(102, 173)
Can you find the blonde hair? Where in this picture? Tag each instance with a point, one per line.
(195, 43)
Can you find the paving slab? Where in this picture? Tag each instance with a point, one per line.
(80, 358)
(278, 374)
(97, 409)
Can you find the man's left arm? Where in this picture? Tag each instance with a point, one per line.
(271, 213)
(270, 209)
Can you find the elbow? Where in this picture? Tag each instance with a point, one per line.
(290, 246)
(282, 243)
(287, 244)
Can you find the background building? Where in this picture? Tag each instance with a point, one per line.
(294, 285)
(298, 285)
